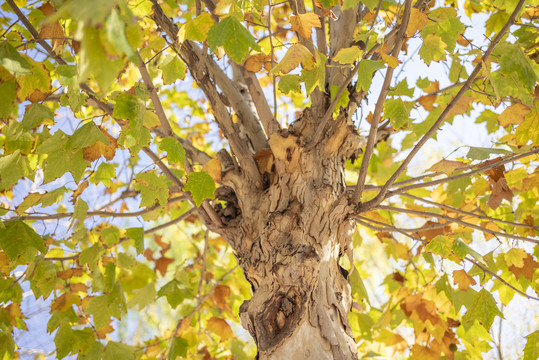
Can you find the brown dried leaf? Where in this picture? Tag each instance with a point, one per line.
(162, 264)
(65, 301)
(53, 31)
(430, 234)
(463, 41)
(102, 333)
(220, 296)
(78, 287)
(461, 106)
(69, 273)
(82, 186)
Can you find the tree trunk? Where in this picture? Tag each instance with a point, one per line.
(289, 238)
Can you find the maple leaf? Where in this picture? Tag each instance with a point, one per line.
(447, 166)
(254, 63)
(51, 30)
(462, 279)
(98, 148)
(427, 101)
(303, 24)
(220, 296)
(220, 327)
(162, 264)
(213, 167)
(527, 269)
(418, 20)
(295, 55)
(513, 115)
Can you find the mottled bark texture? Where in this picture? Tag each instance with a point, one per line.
(289, 237)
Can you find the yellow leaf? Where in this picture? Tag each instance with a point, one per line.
(418, 20)
(348, 55)
(515, 257)
(513, 115)
(295, 55)
(462, 279)
(424, 353)
(213, 167)
(220, 327)
(446, 166)
(391, 61)
(303, 24)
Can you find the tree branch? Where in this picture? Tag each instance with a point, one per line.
(369, 149)
(464, 223)
(381, 196)
(165, 125)
(467, 213)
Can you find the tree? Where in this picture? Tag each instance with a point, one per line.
(238, 120)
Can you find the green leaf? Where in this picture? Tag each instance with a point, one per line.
(142, 297)
(34, 116)
(481, 153)
(289, 83)
(90, 255)
(110, 235)
(118, 351)
(39, 79)
(90, 12)
(198, 28)
(402, 89)
(173, 293)
(80, 210)
(433, 49)
(8, 94)
(514, 61)
(398, 112)
(201, 186)
(440, 245)
(445, 24)
(172, 69)
(315, 77)
(328, 4)
(105, 173)
(12, 60)
(86, 135)
(175, 151)
(152, 188)
(531, 350)
(16, 237)
(483, 309)
(135, 136)
(94, 60)
(358, 287)
(116, 35)
(178, 348)
(233, 36)
(365, 73)
(461, 249)
(12, 168)
(136, 234)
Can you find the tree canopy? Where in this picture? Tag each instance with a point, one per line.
(160, 161)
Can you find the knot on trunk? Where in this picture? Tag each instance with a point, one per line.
(277, 319)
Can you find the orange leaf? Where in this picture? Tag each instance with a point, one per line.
(529, 266)
(220, 327)
(82, 186)
(462, 279)
(220, 296)
(391, 61)
(461, 106)
(418, 20)
(256, 62)
(303, 24)
(162, 264)
(427, 101)
(513, 115)
(463, 41)
(53, 31)
(94, 151)
(69, 273)
(65, 301)
(102, 333)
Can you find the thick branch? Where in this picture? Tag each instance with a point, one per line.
(381, 196)
(369, 149)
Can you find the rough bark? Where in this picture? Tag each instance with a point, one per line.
(289, 237)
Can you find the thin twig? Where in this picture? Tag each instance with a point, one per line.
(464, 223)
(272, 60)
(371, 140)
(381, 196)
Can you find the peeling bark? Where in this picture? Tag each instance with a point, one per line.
(289, 238)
